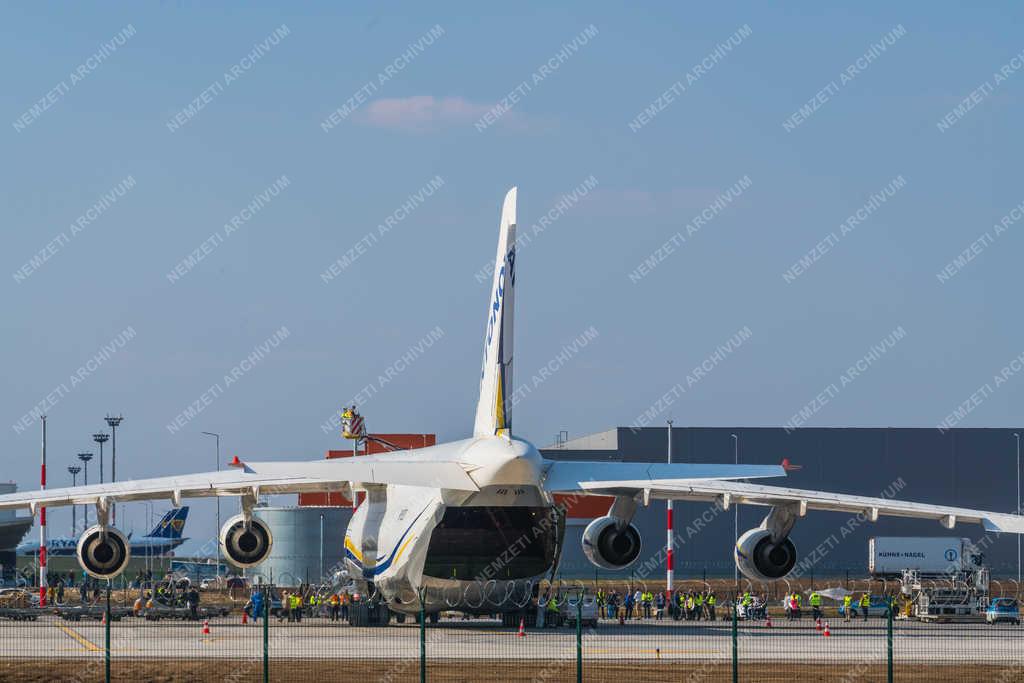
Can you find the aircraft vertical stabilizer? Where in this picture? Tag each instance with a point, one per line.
(492, 409)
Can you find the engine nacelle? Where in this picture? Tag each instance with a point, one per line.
(245, 544)
(761, 560)
(103, 552)
(609, 548)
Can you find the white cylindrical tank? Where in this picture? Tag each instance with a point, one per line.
(298, 553)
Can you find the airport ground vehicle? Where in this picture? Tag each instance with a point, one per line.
(1003, 609)
(588, 611)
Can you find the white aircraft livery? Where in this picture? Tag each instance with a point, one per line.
(472, 524)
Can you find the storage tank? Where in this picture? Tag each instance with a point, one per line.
(300, 550)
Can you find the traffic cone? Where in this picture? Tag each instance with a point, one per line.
(817, 624)
(826, 632)
(522, 628)
(206, 627)
(245, 617)
(767, 620)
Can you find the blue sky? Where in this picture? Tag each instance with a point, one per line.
(114, 122)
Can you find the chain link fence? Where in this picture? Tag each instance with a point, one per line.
(558, 631)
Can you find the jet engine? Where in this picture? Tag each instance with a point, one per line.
(759, 559)
(609, 544)
(103, 552)
(245, 543)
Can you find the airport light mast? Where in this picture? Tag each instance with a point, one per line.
(101, 439)
(668, 534)
(113, 423)
(74, 470)
(736, 512)
(85, 458)
(216, 436)
(42, 520)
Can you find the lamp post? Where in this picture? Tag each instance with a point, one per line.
(113, 422)
(85, 458)
(669, 565)
(1016, 435)
(101, 439)
(736, 510)
(217, 437)
(74, 470)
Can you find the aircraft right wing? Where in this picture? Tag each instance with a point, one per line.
(261, 478)
(674, 482)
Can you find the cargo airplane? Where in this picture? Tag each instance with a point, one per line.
(472, 524)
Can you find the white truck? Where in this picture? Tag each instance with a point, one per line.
(928, 555)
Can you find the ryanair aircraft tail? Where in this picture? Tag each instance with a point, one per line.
(492, 409)
(172, 525)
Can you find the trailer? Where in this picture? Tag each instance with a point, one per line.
(927, 555)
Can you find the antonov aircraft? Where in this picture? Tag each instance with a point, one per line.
(472, 523)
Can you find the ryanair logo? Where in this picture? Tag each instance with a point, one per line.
(178, 524)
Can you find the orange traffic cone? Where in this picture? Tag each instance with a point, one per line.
(522, 628)
(206, 627)
(817, 624)
(245, 617)
(826, 632)
(768, 621)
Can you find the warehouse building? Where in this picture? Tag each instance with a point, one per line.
(974, 468)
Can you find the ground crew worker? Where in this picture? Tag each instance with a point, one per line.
(335, 603)
(698, 607)
(690, 607)
(847, 607)
(647, 599)
(313, 602)
(297, 606)
(816, 605)
(551, 618)
(711, 607)
(865, 602)
(600, 601)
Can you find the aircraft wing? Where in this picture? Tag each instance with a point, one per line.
(265, 477)
(726, 493)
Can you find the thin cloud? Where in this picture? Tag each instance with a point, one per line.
(422, 112)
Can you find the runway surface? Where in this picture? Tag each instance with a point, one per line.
(51, 637)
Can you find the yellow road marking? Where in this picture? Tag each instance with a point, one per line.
(79, 638)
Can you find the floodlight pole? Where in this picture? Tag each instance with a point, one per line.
(74, 470)
(113, 423)
(217, 437)
(668, 530)
(42, 520)
(736, 510)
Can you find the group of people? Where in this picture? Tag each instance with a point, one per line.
(300, 602)
(644, 604)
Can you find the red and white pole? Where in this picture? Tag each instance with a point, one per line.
(668, 530)
(42, 525)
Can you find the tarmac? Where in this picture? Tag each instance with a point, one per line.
(51, 638)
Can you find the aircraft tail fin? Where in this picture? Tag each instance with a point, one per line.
(492, 408)
(172, 525)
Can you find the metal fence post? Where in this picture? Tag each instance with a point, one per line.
(888, 638)
(579, 638)
(735, 646)
(423, 639)
(266, 634)
(106, 637)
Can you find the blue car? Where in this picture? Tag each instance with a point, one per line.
(1003, 609)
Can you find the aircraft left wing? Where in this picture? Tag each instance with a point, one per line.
(258, 477)
(588, 476)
